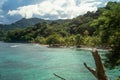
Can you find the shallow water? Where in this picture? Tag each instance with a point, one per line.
(36, 62)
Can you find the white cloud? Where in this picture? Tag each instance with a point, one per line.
(61, 9)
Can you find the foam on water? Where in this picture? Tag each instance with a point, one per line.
(14, 46)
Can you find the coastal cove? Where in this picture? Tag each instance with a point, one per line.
(23, 61)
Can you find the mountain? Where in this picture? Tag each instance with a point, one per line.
(23, 23)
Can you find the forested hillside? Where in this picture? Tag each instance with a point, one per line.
(68, 30)
(94, 29)
(24, 23)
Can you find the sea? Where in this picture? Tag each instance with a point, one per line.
(25, 61)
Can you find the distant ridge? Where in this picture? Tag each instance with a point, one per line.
(23, 23)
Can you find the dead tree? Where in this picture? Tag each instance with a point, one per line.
(99, 72)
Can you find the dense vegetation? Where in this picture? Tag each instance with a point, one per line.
(24, 23)
(108, 29)
(96, 29)
(65, 33)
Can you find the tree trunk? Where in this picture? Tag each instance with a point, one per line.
(99, 72)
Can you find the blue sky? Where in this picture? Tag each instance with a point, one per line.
(13, 10)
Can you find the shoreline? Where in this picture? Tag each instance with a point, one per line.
(82, 47)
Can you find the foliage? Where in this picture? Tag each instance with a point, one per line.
(41, 32)
(54, 39)
(108, 28)
(2, 34)
(118, 79)
(78, 39)
(39, 39)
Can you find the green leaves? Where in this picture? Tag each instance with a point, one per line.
(108, 28)
(54, 39)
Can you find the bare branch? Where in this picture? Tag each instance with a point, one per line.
(99, 73)
(91, 70)
(58, 76)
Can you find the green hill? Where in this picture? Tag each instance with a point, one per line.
(23, 23)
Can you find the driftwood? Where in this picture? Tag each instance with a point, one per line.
(59, 76)
(99, 72)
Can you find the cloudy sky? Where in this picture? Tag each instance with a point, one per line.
(13, 10)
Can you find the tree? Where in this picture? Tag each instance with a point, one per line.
(108, 28)
(72, 40)
(78, 39)
(86, 33)
(54, 39)
(39, 39)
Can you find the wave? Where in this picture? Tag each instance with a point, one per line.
(37, 45)
(14, 46)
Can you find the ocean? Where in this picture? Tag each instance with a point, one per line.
(20, 61)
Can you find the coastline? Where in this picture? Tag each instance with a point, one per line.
(82, 47)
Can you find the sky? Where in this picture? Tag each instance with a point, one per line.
(14, 10)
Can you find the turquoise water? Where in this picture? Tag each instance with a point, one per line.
(36, 62)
